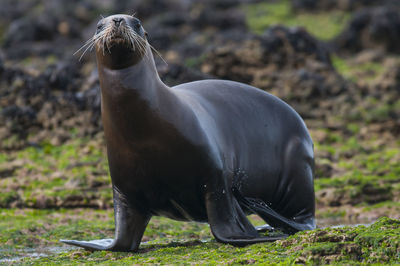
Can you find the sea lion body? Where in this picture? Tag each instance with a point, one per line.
(208, 151)
(251, 136)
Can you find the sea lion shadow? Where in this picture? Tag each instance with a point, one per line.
(190, 243)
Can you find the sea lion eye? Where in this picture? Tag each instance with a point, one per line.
(99, 26)
(137, 24)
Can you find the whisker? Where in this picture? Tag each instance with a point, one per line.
(107, 42)
(103, 38)
(89, 43)
(140, 42)
(141, 45)
(154, 49)
(158, 53)
(104, 41)
(84, 52)
(89, 46)
(92, 46)
(83, 46)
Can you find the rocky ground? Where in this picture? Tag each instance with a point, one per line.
(336, 62)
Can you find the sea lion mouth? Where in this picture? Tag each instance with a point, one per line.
(119, 35)
(117, 31)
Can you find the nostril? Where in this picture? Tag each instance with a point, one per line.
(117, 21)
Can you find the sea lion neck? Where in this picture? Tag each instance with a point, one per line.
(139, 92)
(141, 78)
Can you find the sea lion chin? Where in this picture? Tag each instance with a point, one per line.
(209, 151)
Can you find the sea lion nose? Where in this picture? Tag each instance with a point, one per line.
(117, 21)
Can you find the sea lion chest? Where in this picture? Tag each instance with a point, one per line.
(162, 172)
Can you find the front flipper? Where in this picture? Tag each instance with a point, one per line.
(227, 220)
(101, 244)
(129, 228)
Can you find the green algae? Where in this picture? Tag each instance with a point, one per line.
(260, 16)
(194, 62)
(369, 164)
(378, 243)
(171, 242)
(72, 174)
(352, 70)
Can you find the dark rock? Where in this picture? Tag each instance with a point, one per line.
(11, 9)
(292, 42)
(18, 119)
(222, 4)
(1, 67)
(59, 48)
(164, 29)
(91, 92)
(175, 74)
(323, 170)
(304, 4)
(192, 46)
(47, 106)
(64, 75)
(30, 29)
(92, 97)
(278, 48)
(148, 8)
(221, 19)
(371, 28)
(15, 112)
(373, 195)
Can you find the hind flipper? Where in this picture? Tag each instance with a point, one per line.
(227, 220)
(273, 218)
(129, 228)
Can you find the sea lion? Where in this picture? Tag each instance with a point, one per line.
(209, 151)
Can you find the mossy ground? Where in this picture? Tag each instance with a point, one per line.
(34, 232)
(354, 71)
(71, 175)
(262, 15)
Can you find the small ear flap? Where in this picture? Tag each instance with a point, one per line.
(146, 34)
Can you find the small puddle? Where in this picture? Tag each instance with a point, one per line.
(19, 254)
(340, 222)
(351, 225)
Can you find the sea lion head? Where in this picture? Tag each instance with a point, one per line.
(120, 41)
